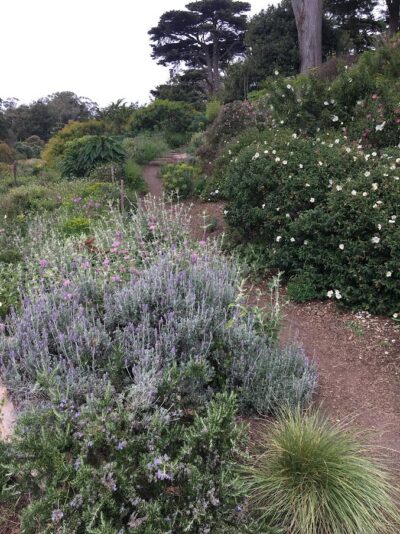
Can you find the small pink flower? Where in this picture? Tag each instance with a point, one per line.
(374, 97)
(43, 263)
(116, 244)
(77, 200)
(68, 296)
(86, 265)
(202, 243)
(66, 283)
(152, 227)
(106, 262)
(116, 278)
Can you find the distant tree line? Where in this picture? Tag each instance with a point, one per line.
(43, 117)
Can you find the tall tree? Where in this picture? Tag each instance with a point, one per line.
(355, 20)
(207, 36)
(308, 15)
(394, 15)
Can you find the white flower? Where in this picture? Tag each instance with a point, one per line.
(263, 206)
(301, 166)
(338, 295)
(388, 274)
(379, 227)
(374, 154)
(375, 239)
(339, 188)
(365, 194)
(337, 141)
(294, 136)
(277, 159)
(395, 315)
(393, 217)
(348, 150)
(375, 186)
(306, 242)
(292, 240)
(266, 151)
(320, 163)
(307, 185)
(276, 73)
(354, 192)
(278, 238)
(335, 118)
(380, 127)
(256, 155)
(216, 192)
(312, 200)
(341, 246)
(330, 294)
(289, 86)
(284, 162)
(367, 173)
(326, 103)
(287, 215)
(274, 151)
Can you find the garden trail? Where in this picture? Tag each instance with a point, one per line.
(358, 356)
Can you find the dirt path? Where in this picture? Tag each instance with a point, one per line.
(358, 356)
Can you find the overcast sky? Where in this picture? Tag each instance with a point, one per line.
(95, 48)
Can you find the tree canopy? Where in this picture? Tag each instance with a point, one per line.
(207, 36)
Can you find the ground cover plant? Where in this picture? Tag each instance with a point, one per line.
(311, 475)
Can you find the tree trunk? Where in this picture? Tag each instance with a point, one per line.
(394, 15)
(308, 15)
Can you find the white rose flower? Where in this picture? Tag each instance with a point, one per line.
(389, 274)
(341, 246)
(367, 173)
(338, 295)
(375, 240)
(330, 294)
(375, 186)
(339, 188)
(354, 192)
(312, 200)
(278, 238)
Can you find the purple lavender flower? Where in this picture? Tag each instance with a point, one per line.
(43, 263)
(57, 515)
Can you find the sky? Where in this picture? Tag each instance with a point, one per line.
(96, 48)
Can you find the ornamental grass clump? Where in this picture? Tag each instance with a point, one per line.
(313, 476)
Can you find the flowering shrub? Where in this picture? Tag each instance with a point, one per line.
(273, 180)
(324, 211)
(121, 462)
(232, 119)
(128, 360)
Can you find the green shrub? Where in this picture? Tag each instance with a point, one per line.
(178, 180)
(133, 176)
(10, 255)
(145, 147)
(232, 119)
(315, 476)
(10, 280)
(76, 226)
(105, 172)
(167, 116)
(55, 148)
(120, 463)
(82, 155)
(6, 154)
(272, 181)
(301, 288)
(212, 110)
(24, 198)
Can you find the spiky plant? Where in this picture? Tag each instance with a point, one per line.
(315, 477)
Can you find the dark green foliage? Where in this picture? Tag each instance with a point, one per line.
(120, 462)
(301, 288)
(10, 255)
(171, 118)
(84, 154)
(217, 24)
(355, 21)
(186, 87)
(145, 147)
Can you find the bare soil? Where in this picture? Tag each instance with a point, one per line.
(357, 355)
